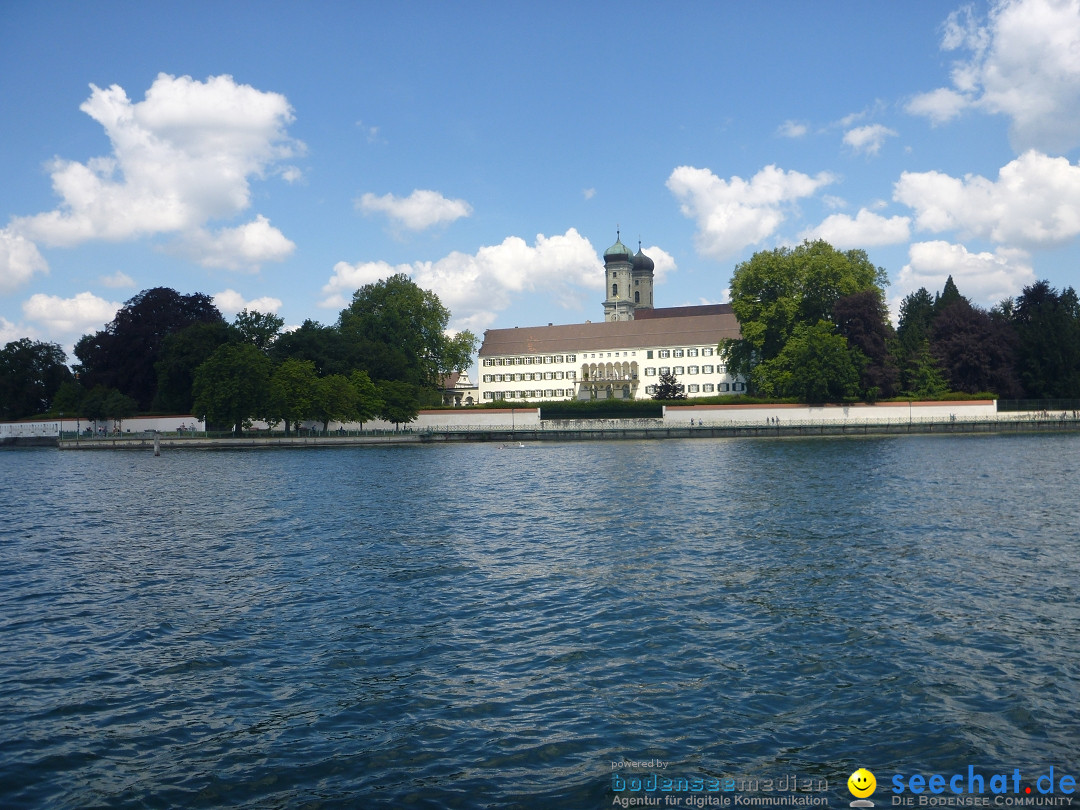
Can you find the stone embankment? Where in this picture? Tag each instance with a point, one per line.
(603, 431)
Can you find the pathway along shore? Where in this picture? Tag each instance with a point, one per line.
(600, 433)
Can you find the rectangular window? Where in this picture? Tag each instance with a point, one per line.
(487, 361)
(738, 386)
(706, 369)
(665, 369)
(692, 370)
(650, 389)
(723, 388)
(549, 375)
(706, 352)
(571, 358)
(558, 358)
(649, 371)
(558, 375)
(678, 370)
(677, 353)
(549, 359)
(691, 352)
(488, 395)
(665, 353)
(648, 355)
(693, 389)
(571, 375)
(549, 392)
(721, 368)
(708, 388)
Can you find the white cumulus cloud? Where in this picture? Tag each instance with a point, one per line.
(118, 280)
(231, 302)
(1034, 202)
(181, 157)
(869, 139)
(19, 260)
(242, 248)
(984, 278)
(420, 210)
(865, 229)
(734, 214)
(62, 318)
(475, 287)
(1023, 62)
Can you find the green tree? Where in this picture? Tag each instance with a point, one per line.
(31, 373)
(181, 353)
(260, 329)
(815, 365)
(93, 404)
(233, 385)
(293, 388)
(399, 331)
(124, 353)
(118, 407)
(368, 403)
(102, 403)
(400, 401)
(334, 399)
(69, 398)
(325, 346)
(1047, 326)
(775, 291)
(669, 388)
(919, 372)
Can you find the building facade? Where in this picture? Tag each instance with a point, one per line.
(621, 357)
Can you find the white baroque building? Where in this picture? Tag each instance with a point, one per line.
(621, 357)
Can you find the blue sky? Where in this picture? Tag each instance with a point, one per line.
(280, 155)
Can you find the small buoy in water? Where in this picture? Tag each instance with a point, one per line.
(157, 445)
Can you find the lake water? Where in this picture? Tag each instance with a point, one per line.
(466, 626)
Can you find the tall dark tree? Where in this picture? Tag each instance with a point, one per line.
(1048, 341)
(31, 373)
(975, 351)
(863, 319)
(181, 353)
(916, 318)
(919, 372)
(325, 346)
(123, 354)
(950, 294)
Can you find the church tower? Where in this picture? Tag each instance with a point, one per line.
(642, 275)
(618, 272)
(629, 281)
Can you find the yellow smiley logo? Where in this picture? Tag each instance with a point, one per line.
(861, 783)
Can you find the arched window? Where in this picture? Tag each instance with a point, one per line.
(614, 290)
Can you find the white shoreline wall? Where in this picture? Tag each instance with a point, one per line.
(529, 418)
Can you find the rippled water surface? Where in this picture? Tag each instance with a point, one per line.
(466, 626)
